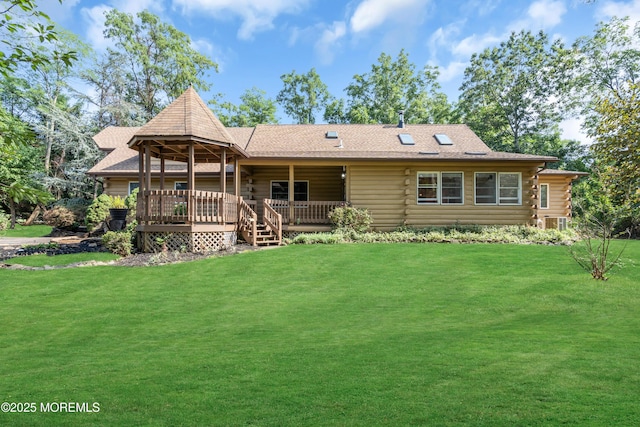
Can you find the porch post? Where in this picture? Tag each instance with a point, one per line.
(223, 170)
(161, 185)
(291, 194)
(236, 176)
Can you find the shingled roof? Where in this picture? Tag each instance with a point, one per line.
(186, 120)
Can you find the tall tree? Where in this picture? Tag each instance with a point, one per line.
(160, 60)
(617, 145)
(610, 64)
(303, 95)
(20, 23)
(519, 86)
(391, 86)
(255, 108)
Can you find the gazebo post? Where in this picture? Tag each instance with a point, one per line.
(141, 189)
(191, 183)
(147, 176)
(161, 184)
(223, 183)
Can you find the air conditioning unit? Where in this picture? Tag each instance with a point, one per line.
(559, 223)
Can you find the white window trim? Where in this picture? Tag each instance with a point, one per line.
(287, 181)
(547, 198)
(497, 188)
(438, 202)
(129, 186)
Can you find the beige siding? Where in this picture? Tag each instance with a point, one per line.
(120, 186)
(325, 182)
(559, 196)
(390, 193)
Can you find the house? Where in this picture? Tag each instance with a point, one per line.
(202, 184)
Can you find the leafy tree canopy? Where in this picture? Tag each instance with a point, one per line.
(392, 86)
(158, 60)
(303, 95)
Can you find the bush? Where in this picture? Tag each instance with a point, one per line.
(118, 242)
(131, 202)
(98, 211)
(5, 221)
(350, 218)
(76, 205)
(60, 217)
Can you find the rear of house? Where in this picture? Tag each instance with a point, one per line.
(294, 175)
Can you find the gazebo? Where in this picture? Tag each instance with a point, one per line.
(195, 220)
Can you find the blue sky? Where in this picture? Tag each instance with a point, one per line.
(254, 42)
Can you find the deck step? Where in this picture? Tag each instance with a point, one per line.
(265, 236)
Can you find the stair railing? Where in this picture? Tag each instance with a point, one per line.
(273, 219)
(247, 222)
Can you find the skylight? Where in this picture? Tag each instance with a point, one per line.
(443, 139)
(406, 139)
(332, 134)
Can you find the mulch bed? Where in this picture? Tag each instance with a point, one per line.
(95, 245)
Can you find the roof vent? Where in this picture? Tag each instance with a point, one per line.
(443, 139)
(332, 134)
(401, 119)
(406, 139)
(475, 153)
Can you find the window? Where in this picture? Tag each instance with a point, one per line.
(485, 188)
(503, 188)
(180, 185)
(280, 190)
(133, 185)
(544, 196)
(509, 188)
(428, 187)
(440, 188)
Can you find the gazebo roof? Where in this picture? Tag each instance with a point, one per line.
(186, 121)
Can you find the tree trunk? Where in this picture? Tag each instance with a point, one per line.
(33, 215)
(12, 209)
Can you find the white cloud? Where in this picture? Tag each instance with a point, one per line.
(133, 7)
(452, 71)
(444, 37)
(256, 15)
(475, 44)
(610, 9)
(94, 17)
(328, 42)
(372, 13)
(541, 15)
(572, 129)
(482, 7)
(58, 12)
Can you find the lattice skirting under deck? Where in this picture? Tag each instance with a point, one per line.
(198, 242)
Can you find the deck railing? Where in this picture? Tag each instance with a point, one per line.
(188, 206)
(303, 212)
(247, 222)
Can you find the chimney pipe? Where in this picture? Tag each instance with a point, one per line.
(401, 121)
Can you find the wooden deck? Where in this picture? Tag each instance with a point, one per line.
(191, 212)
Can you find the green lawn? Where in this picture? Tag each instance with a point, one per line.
(379, 334)
(28, 231)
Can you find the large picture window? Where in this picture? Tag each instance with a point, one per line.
(444, 188)
(280, 190)
(498, 188)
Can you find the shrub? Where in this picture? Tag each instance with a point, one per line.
(350, 218)
(118, 242)
(98, 211)
(76, 205)
(5, 221)
(131, 202)
(59, 217)
(118, 202)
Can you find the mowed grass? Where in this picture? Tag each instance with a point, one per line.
(27, 231)
(378, 334)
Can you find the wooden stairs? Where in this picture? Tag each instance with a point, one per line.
(265, 236)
